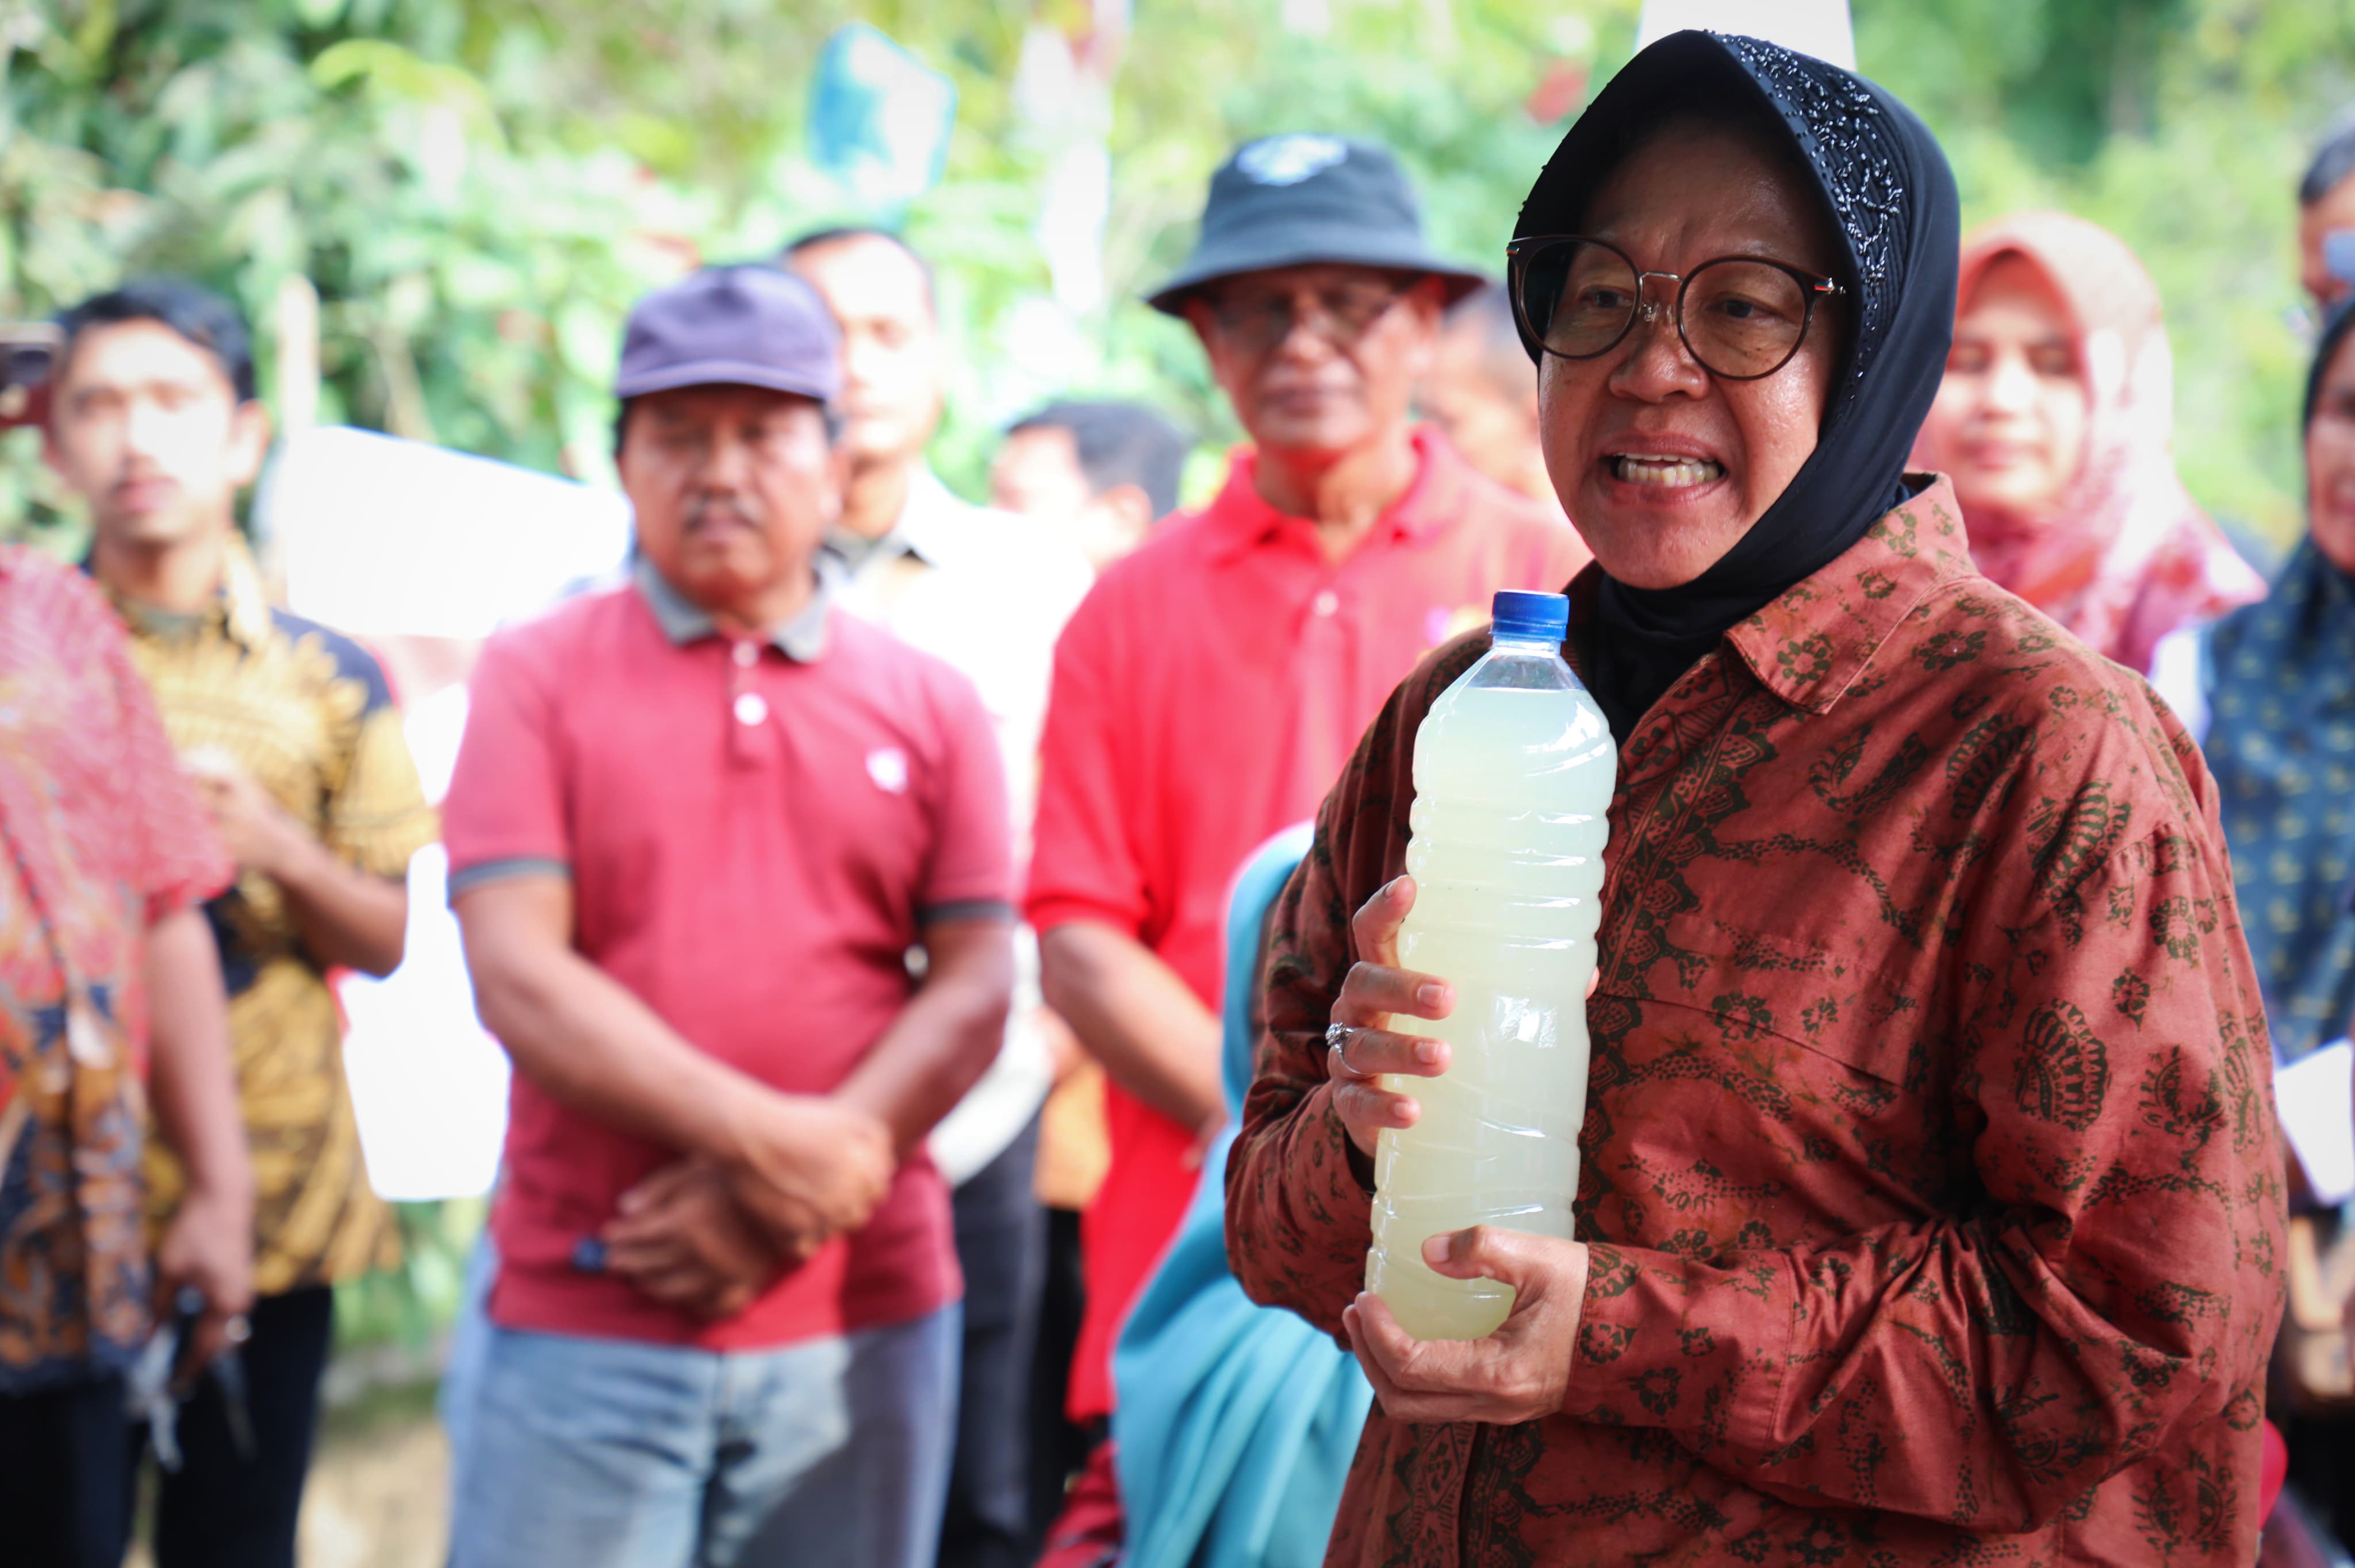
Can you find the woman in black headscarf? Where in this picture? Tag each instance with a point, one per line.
(1699, 565)
(1928, 1204)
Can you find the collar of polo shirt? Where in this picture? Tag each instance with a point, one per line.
(935, 526)
(801, 639)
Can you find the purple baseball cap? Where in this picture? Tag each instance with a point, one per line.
(749, 325)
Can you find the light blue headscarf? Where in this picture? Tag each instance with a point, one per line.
(1235, 1424)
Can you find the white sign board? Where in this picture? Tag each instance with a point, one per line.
(429, 1084)
(389, 539)
(385, 537)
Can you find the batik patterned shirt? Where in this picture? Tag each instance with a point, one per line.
(103, 839)
(1929, 1169)
(2280, 686)
(306, 713)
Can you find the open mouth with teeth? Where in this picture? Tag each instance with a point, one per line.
(1669, 472)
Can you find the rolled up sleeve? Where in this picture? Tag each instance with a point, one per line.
(377, 816)
(506, 814)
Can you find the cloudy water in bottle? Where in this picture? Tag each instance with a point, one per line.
(1514, 769)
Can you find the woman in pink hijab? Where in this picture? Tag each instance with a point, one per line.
(2055, 420)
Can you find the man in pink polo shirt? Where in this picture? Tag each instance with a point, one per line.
(1209, 689)
(734, 875)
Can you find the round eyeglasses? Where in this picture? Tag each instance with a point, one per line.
(1741, 317)
(1257, 320)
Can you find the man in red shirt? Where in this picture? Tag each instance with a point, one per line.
(698, 825)
(1211, 686)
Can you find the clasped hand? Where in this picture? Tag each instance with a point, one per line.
(708, 1236)
(1521, 1371)
(257, 833)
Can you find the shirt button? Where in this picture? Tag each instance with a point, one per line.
(746, 654)
(751, 708)
(1326, 603)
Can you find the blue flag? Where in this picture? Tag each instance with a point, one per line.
(879, 118)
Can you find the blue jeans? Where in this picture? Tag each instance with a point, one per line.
(470, 1346)
(1001, 1241)
(611, 1454)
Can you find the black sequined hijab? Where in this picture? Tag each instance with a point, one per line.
(1891, 199)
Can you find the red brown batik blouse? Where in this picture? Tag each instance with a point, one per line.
(1929, 1162)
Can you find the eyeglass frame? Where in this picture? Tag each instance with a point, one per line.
(1812, 287)
(1399, 290)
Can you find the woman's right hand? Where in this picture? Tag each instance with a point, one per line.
(1375, 989)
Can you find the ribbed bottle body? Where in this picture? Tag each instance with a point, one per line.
(1513, 778)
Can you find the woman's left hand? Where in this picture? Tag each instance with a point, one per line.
(1517, 1373)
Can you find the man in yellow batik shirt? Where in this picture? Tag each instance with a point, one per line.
(288, 730)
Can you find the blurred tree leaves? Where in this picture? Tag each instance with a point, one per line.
(2182, 125)
(478, 188)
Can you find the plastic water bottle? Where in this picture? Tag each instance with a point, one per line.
(1514, 769)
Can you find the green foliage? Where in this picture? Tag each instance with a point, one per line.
(478, 188)
(408, 1308)
(2059, 75)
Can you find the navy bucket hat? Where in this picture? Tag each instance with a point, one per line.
(1297, 199)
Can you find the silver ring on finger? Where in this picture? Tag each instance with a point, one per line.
(1338, 1036)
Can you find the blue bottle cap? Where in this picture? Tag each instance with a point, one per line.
(1530, 617)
